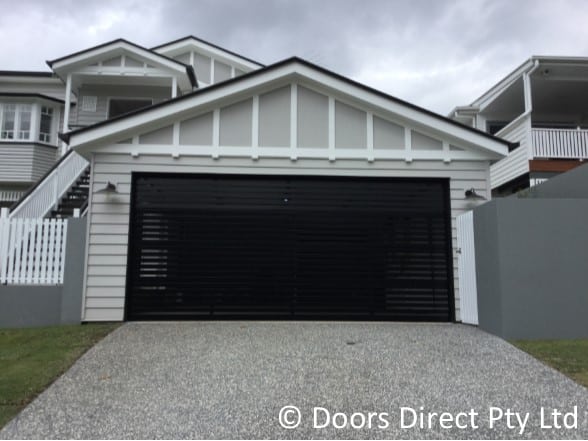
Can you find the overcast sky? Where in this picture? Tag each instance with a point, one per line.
(433, 53)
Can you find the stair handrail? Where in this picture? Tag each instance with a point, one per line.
(48, 191)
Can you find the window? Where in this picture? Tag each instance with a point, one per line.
(27, 122)
(46, 124)
(119, 106)
(24, 126)
(8, 121)
(15, 121)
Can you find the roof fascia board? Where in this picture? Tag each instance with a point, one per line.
(31, 95)
(293, 68)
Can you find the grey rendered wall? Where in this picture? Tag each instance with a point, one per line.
(532, 267)
(45, 305)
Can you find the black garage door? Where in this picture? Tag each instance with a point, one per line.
(234, 246)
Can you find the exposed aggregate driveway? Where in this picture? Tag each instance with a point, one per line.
(231, 379)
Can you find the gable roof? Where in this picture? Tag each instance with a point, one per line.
(294, 67)
(162, 47)
(140, 50)
(526, 67)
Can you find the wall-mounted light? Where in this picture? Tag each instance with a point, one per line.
(472, 195)
(109, 188)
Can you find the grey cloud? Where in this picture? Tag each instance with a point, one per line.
(437, 54)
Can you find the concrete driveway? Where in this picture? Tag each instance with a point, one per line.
(231, 380)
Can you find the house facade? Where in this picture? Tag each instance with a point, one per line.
(221, 188)
(541, 108)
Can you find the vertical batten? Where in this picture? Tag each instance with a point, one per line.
(215, 133)
(446, 152)
(370, 136)
(232, 71)
(174, 91)
(255, 128)
(123, 60)
(293, 121)
(331, 128)
(176, 133)
(211, 70)
(408, 144)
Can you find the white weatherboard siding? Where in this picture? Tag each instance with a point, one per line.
(517, 161)
(23, 162)
(109, 214)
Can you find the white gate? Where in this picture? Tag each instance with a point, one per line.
(32, 251)
(466, 264)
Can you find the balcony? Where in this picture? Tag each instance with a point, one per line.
(559, 143)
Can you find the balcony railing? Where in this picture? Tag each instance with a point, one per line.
(560, 143)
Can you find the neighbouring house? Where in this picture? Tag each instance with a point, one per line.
(31, 112)
(215, 187)
(541, 108)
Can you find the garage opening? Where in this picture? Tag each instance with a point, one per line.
(212, 246)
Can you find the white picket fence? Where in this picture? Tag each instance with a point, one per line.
(32, 251)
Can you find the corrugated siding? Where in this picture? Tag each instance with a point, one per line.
(79, 117)
(25, 162)
(109, 215)
(517, 161)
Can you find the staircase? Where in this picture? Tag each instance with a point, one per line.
(76, 197)
(58, 193)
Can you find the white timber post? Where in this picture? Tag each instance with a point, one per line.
(66, 112)
(528, 109)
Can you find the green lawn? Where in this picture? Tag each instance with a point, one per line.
(31, 359)
(570, 357)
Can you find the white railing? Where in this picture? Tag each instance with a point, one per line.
(10, 196)
(560, 143)
(46, 195)
(466, 267)
(32, 251)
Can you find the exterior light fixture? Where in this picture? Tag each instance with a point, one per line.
(472, 195)
(109, 188)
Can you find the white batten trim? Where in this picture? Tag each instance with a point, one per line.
(293, 121)
(332, 155)
(176, 133)
(285, 152)
(212, 71)
(215, 133)
(255, 128)
(174, 87)
(446, 152)
(408, 153)
(370, 136)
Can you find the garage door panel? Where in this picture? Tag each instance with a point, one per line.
(224, 246)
